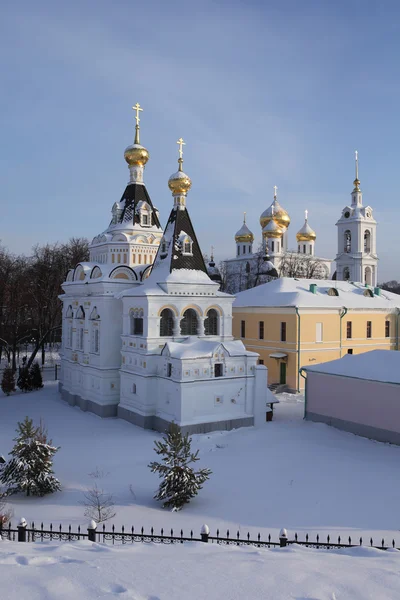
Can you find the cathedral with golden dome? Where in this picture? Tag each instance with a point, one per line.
(273, 257)
(147, 333)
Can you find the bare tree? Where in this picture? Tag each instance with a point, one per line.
(30, 309)
(391, 286)
(248, 272)
(99, 505)
(302, 266)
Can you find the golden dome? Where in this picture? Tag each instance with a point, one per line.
(136, 155)
(306, 234)
(179, 182)
(244, 234)
(272, 229)
(276, 212)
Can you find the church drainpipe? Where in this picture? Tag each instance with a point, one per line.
(342, 314)
(397, 328)
(302, 371)
(298, 348)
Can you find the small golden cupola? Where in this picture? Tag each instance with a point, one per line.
(244, 235)
(136, 155)
(306, 234)
(244, 239)
(277, 212)
(272, 230)
(179, 183)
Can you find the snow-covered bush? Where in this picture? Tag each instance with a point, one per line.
(24, 380)
(180, 482)
(8, 381)
(36, 377)
(30, 468)
(99, 505)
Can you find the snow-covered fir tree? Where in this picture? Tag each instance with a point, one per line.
(8, 381)
(36, 379)
(24, 380)
(180, 482)
(30, 468)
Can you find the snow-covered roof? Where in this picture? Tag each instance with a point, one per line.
(194, 347)
(376, 365)
(287, 291)
(244, 230)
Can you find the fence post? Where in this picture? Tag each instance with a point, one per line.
(92, 531)
(283, 538)
(204, 533)
(22, 530)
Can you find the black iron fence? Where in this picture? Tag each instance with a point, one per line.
(101, 534)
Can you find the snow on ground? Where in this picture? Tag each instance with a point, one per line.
(304, 476)
(72, 570)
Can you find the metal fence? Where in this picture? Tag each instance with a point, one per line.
(25, 533)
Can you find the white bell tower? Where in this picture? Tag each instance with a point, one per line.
(356, 259)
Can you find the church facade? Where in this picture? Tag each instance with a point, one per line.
(356, 258)
(273, 258)
(147, 335)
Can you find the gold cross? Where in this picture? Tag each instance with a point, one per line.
(181, 143)
(275, 188)
(137, 108)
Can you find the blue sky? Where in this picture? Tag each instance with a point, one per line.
(264, 93)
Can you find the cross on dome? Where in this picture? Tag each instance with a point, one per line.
(306, 214)
(181, 143)
(275, 189)
(244, 217)
(138, 109)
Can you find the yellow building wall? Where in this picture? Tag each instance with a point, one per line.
(333, 345)
(272, 340)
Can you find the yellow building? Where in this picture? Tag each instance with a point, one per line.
(294, 323)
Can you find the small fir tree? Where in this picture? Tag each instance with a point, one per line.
(30, 468)
(8, 381)
(36, 376)
(180, 482)
(24, 380)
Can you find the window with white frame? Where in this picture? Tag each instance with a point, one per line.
(187, 247)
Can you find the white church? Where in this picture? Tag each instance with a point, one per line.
(356, 258)
(147, 335)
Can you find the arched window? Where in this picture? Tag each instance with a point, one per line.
(346, 274)
(247, 267)
(368, 276)
(80, 313)
(166, 322)
(189, 322)
(136, 317)
(347, 241)
(187, 246)
(367, 241)
(211, 322)
(69, 313)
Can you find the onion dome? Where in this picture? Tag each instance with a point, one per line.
(212, 270)
(179, 182)
(136, 154)
(306, 234)
(244, 234)
(272, 230)
(275, 211)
